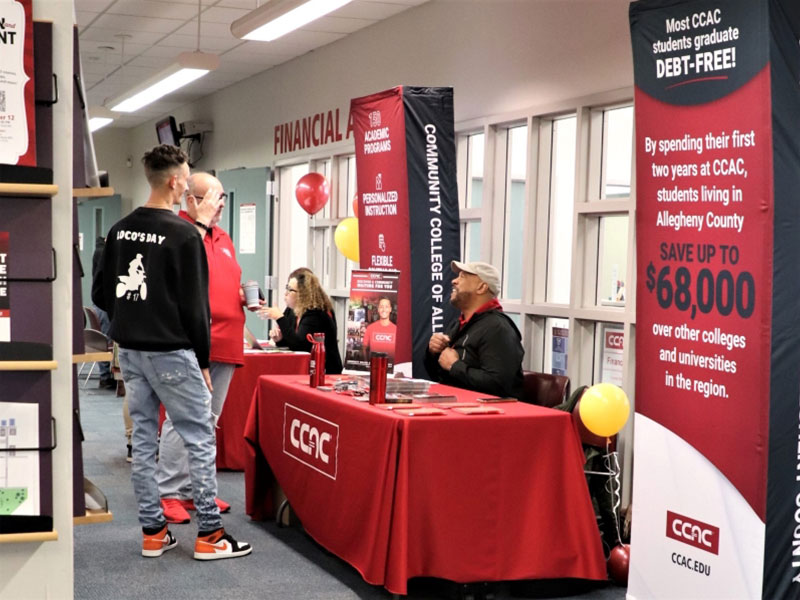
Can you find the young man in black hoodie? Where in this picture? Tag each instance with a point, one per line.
(482, 350)
(153, 282)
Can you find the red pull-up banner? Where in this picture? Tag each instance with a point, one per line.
(718, 293)
(408, 205)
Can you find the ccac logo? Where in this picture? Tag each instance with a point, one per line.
(615, 339)
(311, 440)
(693, 532)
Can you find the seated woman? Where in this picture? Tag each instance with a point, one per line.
(308, 310)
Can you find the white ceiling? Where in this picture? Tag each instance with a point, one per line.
(123, 42)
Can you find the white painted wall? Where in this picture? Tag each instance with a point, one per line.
(500, 56)
(112, 152)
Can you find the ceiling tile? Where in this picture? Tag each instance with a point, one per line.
(150, 8)
(109, 37)
(93, 5)
(207, 43)
(221, 30)
(129, 23)
(225, 15)
(83, 18)
(112, 49)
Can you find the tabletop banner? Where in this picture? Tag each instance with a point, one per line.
(371, 317)
(17, 112)
(408, 204)
(717, 343)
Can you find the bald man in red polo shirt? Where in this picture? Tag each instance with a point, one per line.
(226, 300)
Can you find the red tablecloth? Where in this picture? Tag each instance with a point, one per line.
(464, 498)
(231, 445)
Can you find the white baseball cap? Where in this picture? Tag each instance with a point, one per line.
(487, 273)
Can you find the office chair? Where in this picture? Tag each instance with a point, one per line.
(545, 389)
(93, 340)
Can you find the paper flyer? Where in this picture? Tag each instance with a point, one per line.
(371, 317)
(19, 471)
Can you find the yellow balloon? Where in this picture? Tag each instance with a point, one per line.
(346, 238)
(604, 409)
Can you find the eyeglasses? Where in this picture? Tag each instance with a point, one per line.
(222, 196)
(288, 289)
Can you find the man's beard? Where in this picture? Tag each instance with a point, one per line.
(458, 299)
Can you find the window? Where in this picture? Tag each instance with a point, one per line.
(351, 188)
(470, 154)
(516, 169)
(608, 351)
(291, 241)
(324, 168)
(612, 260)
(556, 346)
(474, 175)
(617, 149)
(562, 201)
(471, 241)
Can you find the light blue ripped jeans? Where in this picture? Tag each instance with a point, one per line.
(173, 459)
(175, 380)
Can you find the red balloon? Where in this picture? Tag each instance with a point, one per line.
(312, 192)
(618, 561)
(355, 205)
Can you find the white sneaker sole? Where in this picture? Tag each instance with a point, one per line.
(157, 553)
(221, 555)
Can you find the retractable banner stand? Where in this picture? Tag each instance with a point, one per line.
(408, 205)
(716, 483)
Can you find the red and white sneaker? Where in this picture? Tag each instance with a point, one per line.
(219, 545)
(221, 504)
(174, 512)
(155, 545)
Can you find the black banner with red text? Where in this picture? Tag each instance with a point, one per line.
(717, 354)
(408, 205)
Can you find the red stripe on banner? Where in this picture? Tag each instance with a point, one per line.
(382, 174)
(703, 307)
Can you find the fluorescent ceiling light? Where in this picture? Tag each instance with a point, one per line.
(99, 117)
(188, 67)
(278, 17)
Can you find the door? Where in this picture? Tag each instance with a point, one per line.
(248, 220)
(95, 218)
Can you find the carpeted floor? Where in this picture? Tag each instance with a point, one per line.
(285, 562)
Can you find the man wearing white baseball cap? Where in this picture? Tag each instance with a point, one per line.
(482, 350)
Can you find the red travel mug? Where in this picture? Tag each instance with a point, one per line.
(316, 365)
(378, 365)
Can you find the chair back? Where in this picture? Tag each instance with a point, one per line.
(96, 341)
(545, 389)
(91, 321)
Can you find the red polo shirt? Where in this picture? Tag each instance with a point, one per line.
(224, 281)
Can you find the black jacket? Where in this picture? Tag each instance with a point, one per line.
(313, 321)
(490, 356)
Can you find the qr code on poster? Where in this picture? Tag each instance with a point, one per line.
(2, 101)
